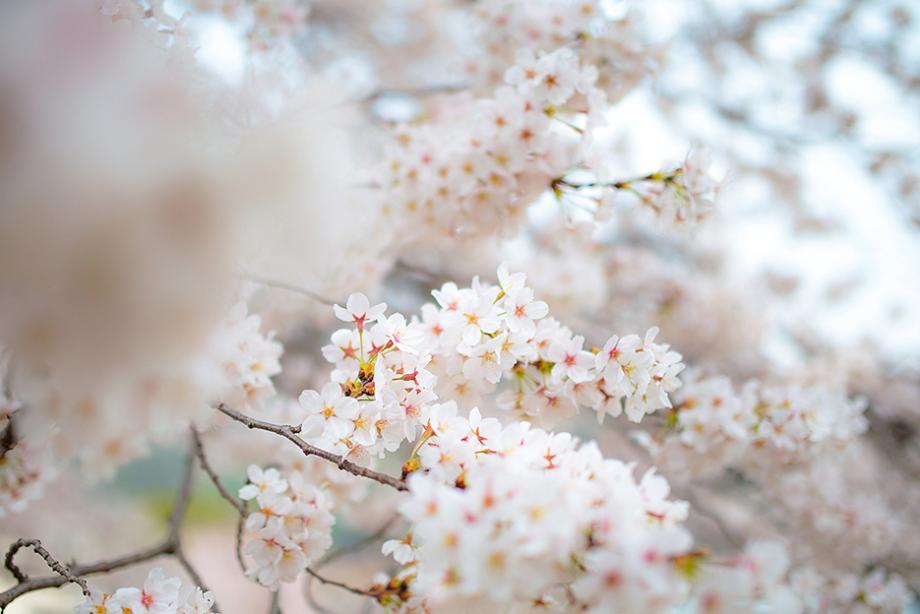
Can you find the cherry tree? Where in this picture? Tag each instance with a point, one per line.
(390, 261)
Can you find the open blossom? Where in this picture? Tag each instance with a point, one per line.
(523, 310)
(277, 558)
(329, 408)
(570, 359)
(402, 550)
(262, 483)
(550, 77)
(359, 311)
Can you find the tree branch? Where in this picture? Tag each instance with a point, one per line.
(34, 584)
(8, 437)
(52, 562)
(289, 433)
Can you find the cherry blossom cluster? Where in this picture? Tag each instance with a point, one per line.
(159, 595)
(680, 195)
(25, 469)
(26, 462)
(756, 577)
(613, 44)
(478, 169)
(486, 506)
(379, 387)
(249, 358)
(761, 578)
(713, 424)
(85, 420)
(834, 502)
(873, 592)
(389, 371)
(488, 333)
(266, 23)
(292, 527)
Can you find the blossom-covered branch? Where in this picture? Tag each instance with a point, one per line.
(290, 433)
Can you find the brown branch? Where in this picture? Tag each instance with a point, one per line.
(52, 563)
(34, 584)
(290, 433)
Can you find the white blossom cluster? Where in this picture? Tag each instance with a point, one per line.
(26, 462)
(249, 358)
(876, 591)
(292, 527)
(486, 514)
(762, 578)
(834, 502)
(267, 23)
(755, 580)
(713, 424)
(679, 195)
(237, 369)
(478, 169)
(388, 372)
(159, 595)
(487, 333)
(614, 44)
(25, 469)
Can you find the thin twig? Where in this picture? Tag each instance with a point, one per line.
(240, 524)
(180, 507)
(704, 511)
(310, 597)
(52, 563)
(342, 585)
(428, 90)
(289, 433)
(237, 504)
(357, 546)
(283, 285)
(274, 606)
(182, 499)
